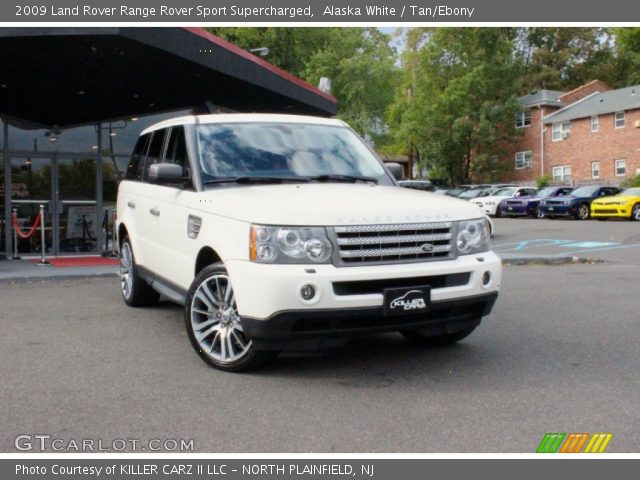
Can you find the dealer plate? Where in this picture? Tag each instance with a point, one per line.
(407, 301)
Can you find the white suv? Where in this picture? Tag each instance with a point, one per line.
(286, 232)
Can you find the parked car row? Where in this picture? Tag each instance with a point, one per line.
(591, 201)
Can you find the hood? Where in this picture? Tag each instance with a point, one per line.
(617, 198)
(491, 198)
(334, 204)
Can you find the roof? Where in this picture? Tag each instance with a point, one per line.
(67, 76)
(542, 97)
(243, 118)
(599, 103)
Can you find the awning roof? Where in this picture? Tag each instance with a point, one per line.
(73, 76)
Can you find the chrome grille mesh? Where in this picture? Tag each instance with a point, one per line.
(392, 243)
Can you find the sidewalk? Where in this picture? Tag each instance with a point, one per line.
(26, 270)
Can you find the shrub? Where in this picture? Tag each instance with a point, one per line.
(543, 181)
(631, 182)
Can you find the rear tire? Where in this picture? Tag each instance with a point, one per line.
(214, 326)
(419, 338)
(135, 290)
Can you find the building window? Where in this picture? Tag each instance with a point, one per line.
(523, 160)
(619, 120)
(561, 173)
(595, 169)
(560, 131)
(621, 168)
(523, 118)
(595, 123)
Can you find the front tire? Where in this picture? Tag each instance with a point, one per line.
(214, 326)
(538, 213)
(583, 212)
(135, 290)
(635, 212)
(419, 338)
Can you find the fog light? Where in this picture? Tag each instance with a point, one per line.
(307, 292)
(486, 279)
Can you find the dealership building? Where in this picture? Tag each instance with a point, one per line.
(73, 101)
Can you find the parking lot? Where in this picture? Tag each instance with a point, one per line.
(558, 354)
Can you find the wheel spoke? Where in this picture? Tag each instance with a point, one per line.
(210, 295)
(206, 323)
(230, 349)
(203, 298)
(241, 342)
(204, 334)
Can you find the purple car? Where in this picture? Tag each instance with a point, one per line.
(528, 206)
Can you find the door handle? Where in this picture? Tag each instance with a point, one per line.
(131, 204)
(154, 211)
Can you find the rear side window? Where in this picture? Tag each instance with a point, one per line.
(136, 164)
(155, 151)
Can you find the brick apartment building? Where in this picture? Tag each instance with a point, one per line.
(588, 135)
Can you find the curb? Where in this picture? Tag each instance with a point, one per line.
(550, 260)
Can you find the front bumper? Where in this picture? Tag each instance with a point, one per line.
(314, 329)
(558, 210)
(269, 295)
(516, 210)
(488, 209)
(611, 211)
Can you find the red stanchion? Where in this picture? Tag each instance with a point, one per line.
(21, 234)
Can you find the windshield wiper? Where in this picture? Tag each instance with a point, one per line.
(343, 178)
(255, 179)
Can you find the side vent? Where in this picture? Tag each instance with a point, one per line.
(193, 226)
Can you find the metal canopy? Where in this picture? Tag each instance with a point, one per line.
(74, 76)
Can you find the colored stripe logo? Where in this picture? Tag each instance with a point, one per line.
(574, 443)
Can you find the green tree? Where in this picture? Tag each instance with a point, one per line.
(458, 98)
(562, 58)
(361, 66)
(359, 62)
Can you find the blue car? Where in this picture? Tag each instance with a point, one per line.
(528, 206)
(576, 205)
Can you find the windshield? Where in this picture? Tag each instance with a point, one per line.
(470, 193)
(287, 150)
(504, 192)
(632, 191)
(585, 191)
(545, 192)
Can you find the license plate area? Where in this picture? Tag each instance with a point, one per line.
(407, 300)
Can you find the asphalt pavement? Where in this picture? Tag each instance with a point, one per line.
(558, 354)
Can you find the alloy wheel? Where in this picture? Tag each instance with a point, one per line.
(126, 270)
(215, 321)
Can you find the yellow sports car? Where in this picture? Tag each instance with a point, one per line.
(624, 205)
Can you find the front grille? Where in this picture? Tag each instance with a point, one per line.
(554, 202)
(517, 203)
(394, 243)
(605, 210)
(365, 287)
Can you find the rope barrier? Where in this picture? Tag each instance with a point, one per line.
(21, 234)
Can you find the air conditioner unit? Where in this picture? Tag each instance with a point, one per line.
(636, 124)
(564, 135)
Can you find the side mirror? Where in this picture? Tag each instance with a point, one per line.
(161, 173)
(395, 169)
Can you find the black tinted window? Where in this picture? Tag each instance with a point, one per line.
(177, 150)
(155, 151)
(134, 170)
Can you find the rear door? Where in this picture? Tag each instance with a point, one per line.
(146, 206)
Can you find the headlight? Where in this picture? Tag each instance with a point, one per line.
(473, 236)
(289, 245)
